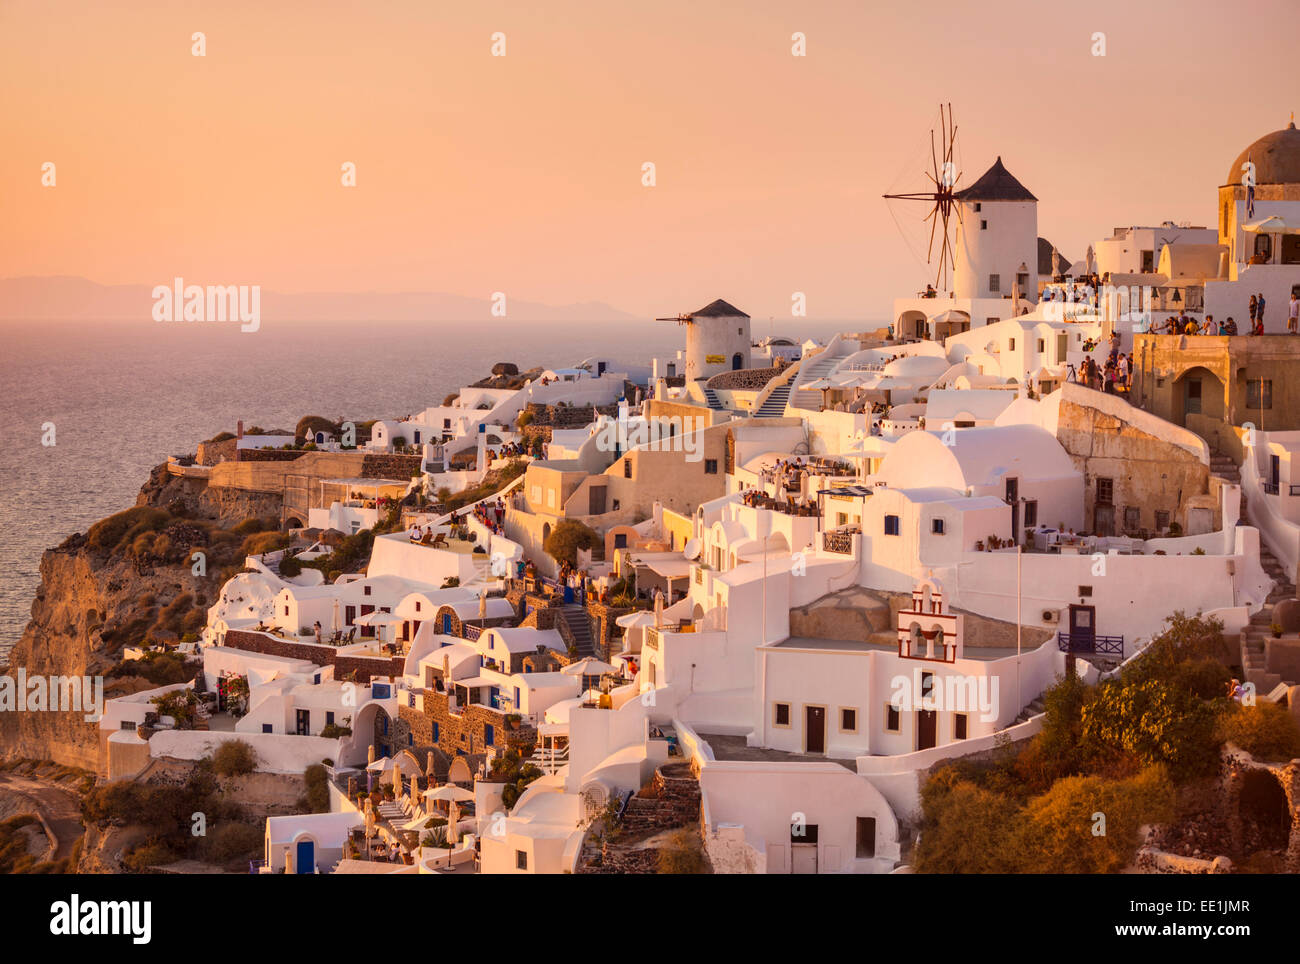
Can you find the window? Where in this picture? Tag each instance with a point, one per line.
(866, 837)
(627, 468)
(977, 207)
(127, 725)
(1011, 344)
(1105, 491)
(286, 610)
(329, 717)
(266, 727)
(984, 225)
(710, 466)
(1132, 518)
(1031, 513)
(1085, 591)
(848, 720)
(892, 718)
(1259, 393)
(521, 860)
(891, 525)
(435, 732)
(1162, 520)
(1042, 346)
(1193, 403)
(936, 526)
(782, 715)
(366, 591)
(417, 605)
(959, 726)
(995, 282)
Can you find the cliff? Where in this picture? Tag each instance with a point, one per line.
(130, 579)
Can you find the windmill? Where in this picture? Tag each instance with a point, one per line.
(943, 175)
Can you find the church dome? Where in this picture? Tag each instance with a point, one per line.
(1276, 157)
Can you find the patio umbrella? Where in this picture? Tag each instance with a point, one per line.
(659, 608)
(428, 766)
(336, 623)
(370, 753)
(380, 765)
(397, 782)
(449, 792)
(453, 817)
(482, 607)
(589, 666)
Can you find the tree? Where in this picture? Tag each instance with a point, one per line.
(567, 538)
(234, 758)
(309, 425)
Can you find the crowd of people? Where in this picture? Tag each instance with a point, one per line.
(1183, 324)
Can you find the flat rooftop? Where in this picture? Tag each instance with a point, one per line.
(726, 747)
(862, 646)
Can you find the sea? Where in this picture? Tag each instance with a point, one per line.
(88, 409)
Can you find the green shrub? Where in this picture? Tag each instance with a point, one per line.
(1266, 731)
(230, 842)
(234, 758)
(567, 538)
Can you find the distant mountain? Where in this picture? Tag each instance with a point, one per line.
(69, 298)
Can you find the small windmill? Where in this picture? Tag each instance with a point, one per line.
(943, 174)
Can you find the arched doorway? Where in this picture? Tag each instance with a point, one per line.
(1264, 811)
(737, 362)
(1198, 392)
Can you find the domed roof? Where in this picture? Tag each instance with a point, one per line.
(1276, 157)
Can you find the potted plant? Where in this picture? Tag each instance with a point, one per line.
(979, 545)
(1277, 630)
(512, 720)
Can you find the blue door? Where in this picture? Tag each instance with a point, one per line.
(489, 736)
(305, 862)
(446, 624)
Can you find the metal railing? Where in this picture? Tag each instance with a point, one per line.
(1091, 643)
(838, 540)
(1270, 488)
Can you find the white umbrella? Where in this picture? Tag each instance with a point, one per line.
(449, 792)
(416, 824)
(453, 817)
(482, 606)
(590, 666)
(335, 622)
(659, 608)
(380, 765)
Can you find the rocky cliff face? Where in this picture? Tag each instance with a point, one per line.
(92, 603)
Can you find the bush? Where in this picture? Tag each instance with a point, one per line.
(683, 854)
(1155, 721)
(1266, 731)
(234, 758)
(122, 528)
(152, 853)
(967, 830)
(1059, 836)
(263, 542)
(318, 792)
(230, 842)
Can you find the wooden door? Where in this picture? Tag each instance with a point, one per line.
(815, 729)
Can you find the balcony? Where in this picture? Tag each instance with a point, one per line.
(1090, 643)
(840, 540)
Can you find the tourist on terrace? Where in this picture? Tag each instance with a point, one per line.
(1260, 313)
(1254, 311)
(1293, 313)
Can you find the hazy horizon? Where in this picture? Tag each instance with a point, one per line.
(523, 173)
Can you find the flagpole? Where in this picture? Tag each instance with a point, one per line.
(1019, 705)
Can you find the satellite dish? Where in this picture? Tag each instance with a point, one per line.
(692, 549)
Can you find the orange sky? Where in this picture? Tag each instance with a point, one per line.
(523, 173)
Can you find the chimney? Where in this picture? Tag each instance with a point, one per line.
(239, 429)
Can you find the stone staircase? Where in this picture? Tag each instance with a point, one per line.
(1036, 706)
(818, 367)
(1253, 663)
(711, 398)
(774, 405)
(577, 630)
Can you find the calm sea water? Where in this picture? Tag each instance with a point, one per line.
(124, 396)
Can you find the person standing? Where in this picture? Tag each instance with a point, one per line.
(1254, 311)
(1260, 312)
(1293, 313)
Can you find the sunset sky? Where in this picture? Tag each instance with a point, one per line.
(522, 173)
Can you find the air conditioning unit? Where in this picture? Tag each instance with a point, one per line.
(1051, 615)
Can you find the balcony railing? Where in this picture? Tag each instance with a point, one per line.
(838, 540)
(1090, 643)
(1270, 488)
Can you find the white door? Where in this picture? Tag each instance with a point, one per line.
(803, 858)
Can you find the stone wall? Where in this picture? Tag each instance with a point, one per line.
(463, 731)
(376, 466)
(210, 453)
(364, 666)
(268, 455)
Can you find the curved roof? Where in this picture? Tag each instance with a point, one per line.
(978, 456)
(719, 309)
(997, 184)
(1276, 157)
